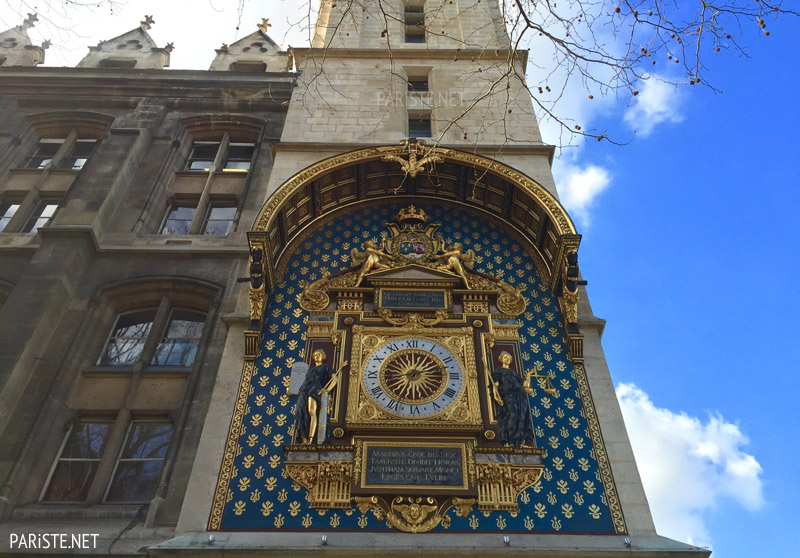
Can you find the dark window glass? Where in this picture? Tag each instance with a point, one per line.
(415, 24)
(76, 466)
(140, 463)
(239, 157)
(127, 339)
(45, 152)
(40, 217)
(7, 211)
(78, 155)
(178, 346)
(202, 156)
(178, 219)
(219, 220)
(419, 127)
(418, 85)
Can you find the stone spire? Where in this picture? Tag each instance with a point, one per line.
(16, 47)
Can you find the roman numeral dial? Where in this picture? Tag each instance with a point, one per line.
(413, 377)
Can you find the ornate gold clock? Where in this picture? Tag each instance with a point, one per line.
(413, 377)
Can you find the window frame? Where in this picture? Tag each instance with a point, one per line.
(131, 424)
(37, 214)
(58, 459)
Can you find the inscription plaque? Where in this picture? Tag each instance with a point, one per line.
(392, 464)
(403, 299)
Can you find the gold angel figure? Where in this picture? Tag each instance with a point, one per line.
(373, 258)
(456, 260)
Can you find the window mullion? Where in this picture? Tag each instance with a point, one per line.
(202, 204)
(65, 149)
(160, 323)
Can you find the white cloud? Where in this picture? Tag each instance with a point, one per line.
(579, 186)
(657, 102)
(688, 466)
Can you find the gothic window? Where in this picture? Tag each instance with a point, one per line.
(415, 24)
(77, 463)
(177, 346)
(78, 152)
(140, 461)
(42, 215)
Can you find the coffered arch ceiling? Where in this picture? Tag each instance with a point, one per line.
(466, 179)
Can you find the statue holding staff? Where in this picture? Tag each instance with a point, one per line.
(510, 392)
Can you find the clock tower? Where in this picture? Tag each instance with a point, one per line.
(412, 235)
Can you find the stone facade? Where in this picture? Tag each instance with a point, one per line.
(110, 174)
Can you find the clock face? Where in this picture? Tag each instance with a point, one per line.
(413, 377)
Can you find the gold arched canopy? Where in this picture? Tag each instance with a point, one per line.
(461, 177)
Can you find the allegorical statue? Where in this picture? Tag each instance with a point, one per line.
(372, 259)
(510, 392)
(320, 379)
(456, 260)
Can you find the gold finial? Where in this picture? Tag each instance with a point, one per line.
(264, 25)
(147, 22)
(30, 21)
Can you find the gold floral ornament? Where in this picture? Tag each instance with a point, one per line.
(414, 514)
(510, 300)
(314, 298)
(413, 165)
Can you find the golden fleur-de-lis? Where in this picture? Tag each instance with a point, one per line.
(252, 440)
(594, 511)
(273, 328)
(501, 522)
(548, 357)
(556, 524)
(266, 508)
(540, 323)
(238, 507)
(546, 403)
(565, 384)
(259, 472)
(277, 440)
(263, 451)
(244, 484)
(279, 521)
(528, 523)
(540, 510)
(573, 475)
(557, 349)
(562, 486)
(525, 497)
(282, 495)
(307, 521)
(284, 400)
(294, 508)
(589, 487)
(270, 410)
(292, 344)
(256, 419)
(568, 453)
(578, 498)
(335, 520)
(574, 422)
(260, 400)
(583, 463)
(248, 461)
(273, 390)
(567, 510)
(558, 463)
(286, 381)
(551, 499)
(280, 420)
(564, 432)
(539, 432)
(549, 421)
(295, 328)
(271, 483)
(263, 381)
(362, 521)
(473, 521)
(289, 361)
(561, 366)
(275, 461)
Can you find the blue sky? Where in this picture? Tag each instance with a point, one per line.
(689, 248)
